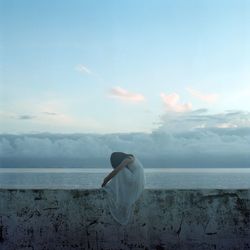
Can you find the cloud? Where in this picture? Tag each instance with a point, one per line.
(83, 69)
(54, 111)
(177, 122)
(201, 147)
(171, 102)
(26, 117)
(120, 93)
(209, 98)
(226, 125)
(190, 139)
(14, 115)
(50, 113)
(195, 138)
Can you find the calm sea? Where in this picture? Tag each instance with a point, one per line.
(168, 178)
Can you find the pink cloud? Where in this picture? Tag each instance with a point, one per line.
(123, 94)
(226, 125)
(171, 102)
(209, 98)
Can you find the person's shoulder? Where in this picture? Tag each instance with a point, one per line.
(139, 162)
(136, 162)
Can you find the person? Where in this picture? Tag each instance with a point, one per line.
(124, 185)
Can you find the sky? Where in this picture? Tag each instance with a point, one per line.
(124, 66)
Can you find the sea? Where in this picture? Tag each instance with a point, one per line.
(155, 178)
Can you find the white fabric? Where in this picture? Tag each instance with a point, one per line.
(124, 189)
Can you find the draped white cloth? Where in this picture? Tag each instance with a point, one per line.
(124, 189)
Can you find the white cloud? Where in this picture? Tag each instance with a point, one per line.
(83, 69)
(191, 139)
(171, 102)
(204, 147)
(179, 122)
(120, 93)
(209, 98)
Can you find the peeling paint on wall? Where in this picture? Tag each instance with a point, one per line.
(162, 219)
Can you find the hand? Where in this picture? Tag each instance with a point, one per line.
(129, 159)
(104, 182)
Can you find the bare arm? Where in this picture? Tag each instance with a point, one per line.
(125, 162)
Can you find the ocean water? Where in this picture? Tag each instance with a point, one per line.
(167, 178)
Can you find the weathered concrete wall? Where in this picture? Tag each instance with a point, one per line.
(163, 219)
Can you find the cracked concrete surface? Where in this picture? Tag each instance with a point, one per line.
(162, 219)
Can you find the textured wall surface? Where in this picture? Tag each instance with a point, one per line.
(162, 219)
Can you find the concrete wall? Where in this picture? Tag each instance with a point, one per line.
(163, 219)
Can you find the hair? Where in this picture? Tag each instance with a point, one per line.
(117, 157)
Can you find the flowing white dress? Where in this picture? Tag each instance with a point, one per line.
(124, 189)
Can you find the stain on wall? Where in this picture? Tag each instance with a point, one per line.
(162, 219)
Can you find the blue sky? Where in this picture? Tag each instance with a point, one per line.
(121, 66)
